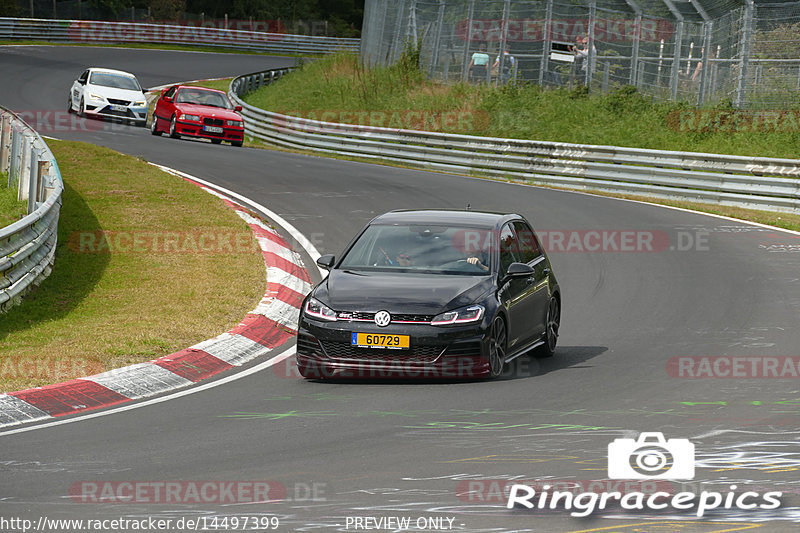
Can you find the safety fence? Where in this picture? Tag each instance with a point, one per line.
(27, 246)
(90, 31)
(753, 182)
(700, 51)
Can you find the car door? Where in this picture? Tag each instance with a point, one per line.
(536, 289)
(76, 91)
(164, 108)
(513, 292)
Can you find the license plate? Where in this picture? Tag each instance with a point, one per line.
(379, 340)
(212, 129)
(115, 107)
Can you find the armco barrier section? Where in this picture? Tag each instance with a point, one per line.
(752, 182)
(90, 31)
(27, 247)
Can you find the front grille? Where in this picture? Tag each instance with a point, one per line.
(462, 349)
(343, 350)
(108, 111)
(213, 121)
(307, 345)
(402, 317)
(118, 102)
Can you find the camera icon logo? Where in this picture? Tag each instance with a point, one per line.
(651, 457)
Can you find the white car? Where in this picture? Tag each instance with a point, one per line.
(105, 92)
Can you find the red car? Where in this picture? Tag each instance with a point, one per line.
(198, 112)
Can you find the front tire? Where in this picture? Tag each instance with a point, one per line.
(154, 127)
(69, 106)
(551, 328)
(497, 348)
(82, 109)
(216, 141)
(237, 143)
(173, 128)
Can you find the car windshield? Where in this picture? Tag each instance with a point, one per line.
(117, 81)
(431, 249)
(201, 97)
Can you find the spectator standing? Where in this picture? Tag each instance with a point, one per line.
(479, 64)
(509, 64)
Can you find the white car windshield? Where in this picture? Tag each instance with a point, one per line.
(430, 249)
(117, 81)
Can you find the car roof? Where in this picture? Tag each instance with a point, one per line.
(111, 71)
(484, 219)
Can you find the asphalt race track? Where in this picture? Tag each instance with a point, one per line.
(707, 287)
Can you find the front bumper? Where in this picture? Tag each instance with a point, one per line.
(324, 350)
(197, 129)
(105, 109)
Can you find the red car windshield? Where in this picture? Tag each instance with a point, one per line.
(201, 97)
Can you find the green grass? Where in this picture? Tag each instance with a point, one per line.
(102, 309)
(10, 209)
(221, 85)
(623, 117)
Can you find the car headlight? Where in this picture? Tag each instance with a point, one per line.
(190, 117)
(95, 96)
(140, 103)
(237, 123)
(464, 315)
(319, 310)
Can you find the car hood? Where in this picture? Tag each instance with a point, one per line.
(208, 111)
(117, 94)
(427, 294)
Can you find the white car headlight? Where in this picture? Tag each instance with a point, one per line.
(463, 315)
(317, 309)
(237, 123)
(94, 96)
(140, 103)
(190, 117)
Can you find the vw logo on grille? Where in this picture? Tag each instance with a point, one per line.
(383, 318)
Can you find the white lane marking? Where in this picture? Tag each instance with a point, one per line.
(233, 377)
(294, 232)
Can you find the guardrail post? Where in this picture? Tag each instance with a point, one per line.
(13, 164)
(34, 178)
(591, 58)
(24, 169)
(5, 142)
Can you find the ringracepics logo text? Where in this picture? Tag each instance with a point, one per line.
(650, 457)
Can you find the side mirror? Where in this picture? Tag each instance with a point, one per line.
(326, 261)
(519, 270)
(82, 82)
(237, 108)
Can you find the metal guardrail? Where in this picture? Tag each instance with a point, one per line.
(752, 182)
(27, 247)
(89, 31)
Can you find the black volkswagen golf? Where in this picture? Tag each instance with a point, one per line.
(431, 294)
